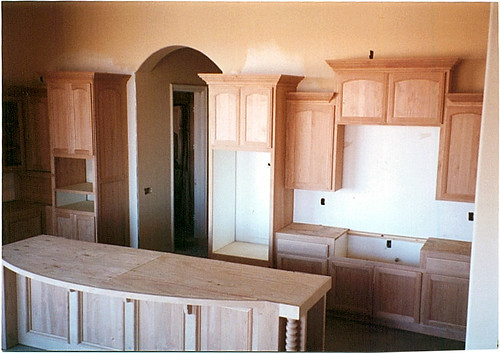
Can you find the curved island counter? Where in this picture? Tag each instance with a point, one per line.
(62, 294)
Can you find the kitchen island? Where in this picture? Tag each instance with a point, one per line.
(72, 295)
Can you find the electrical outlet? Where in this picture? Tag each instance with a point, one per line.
(388, 244)
(471, 216)
(148, 190)
(322, 201)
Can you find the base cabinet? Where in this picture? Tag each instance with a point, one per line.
(396, 295)
(444, 301)
(75, 226)
(352, 288)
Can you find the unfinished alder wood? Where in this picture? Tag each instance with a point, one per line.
(416, 98)
(89, 153)
(36, 131)
(459, 148)
(256, 116)
(20, 220)
(362, 97)
(75, 226)
(352, 286)
(124, 293)
(248, 113)
(312, 143)
(396, 294)
(396, 91)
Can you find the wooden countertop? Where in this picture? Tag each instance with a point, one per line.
(144, 273)
(313, 230)
(447, 249)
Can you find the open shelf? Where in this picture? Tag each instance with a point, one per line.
(81, 188)
(245, 250)
(82, 206)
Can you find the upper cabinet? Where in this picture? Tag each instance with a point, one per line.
(70, 110)
(12, 133)
(240, 113)
(314, 144)
(459, 147)
(392, 91)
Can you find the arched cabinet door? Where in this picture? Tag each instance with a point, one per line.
(363, 97)
(224, 103)
(416, 98)
(459, 148)
(256, 116)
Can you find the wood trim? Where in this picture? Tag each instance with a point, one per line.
(391, 64)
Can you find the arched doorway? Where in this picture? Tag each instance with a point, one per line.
(170, 113)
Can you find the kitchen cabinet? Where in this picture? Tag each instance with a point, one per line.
(36, 131)
(392, 91)
(459, 148)
(445, 286)
(396, 294)
(306, 248)
(20, 220)
(314, 143)
(241, 115)
(12, 132)
(352, 287)
(89, 155)
(248, 200)
(75, 226)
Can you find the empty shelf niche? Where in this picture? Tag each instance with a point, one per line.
(74, 184)
(241, 203)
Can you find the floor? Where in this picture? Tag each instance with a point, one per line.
(343, 335)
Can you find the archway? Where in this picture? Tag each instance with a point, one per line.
(166, 70)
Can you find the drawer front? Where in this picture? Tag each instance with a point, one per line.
(448, 267)
(303, 248)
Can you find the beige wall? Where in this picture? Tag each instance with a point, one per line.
(154, 139)
(292, 38)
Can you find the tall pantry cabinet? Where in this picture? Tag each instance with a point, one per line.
(89, 156)
(248, 201)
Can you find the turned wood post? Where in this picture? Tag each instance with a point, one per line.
(292, 335)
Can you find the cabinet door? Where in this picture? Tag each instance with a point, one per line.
(352, 287)
(64, 225)
(397, 295)
(61, 121)
(363, 97)
(444, 301)
(318, 266)
(85, 228)
(36, 133)
(309, 146)
(256, 117)
(81, 105)
(224, 115)
(416, 98)
(75, 226)
(12, 134)
(458, 153)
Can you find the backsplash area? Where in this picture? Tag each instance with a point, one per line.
(389, 186)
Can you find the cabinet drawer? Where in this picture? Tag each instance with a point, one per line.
(448, 267)
(303, 248)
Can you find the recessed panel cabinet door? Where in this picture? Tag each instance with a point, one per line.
(81, 95)
(224, 116)
(256, 116)
(459, 148)
(61, 120)
(397, 294)
(309, 154)
(363, 97)
(416, 98)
